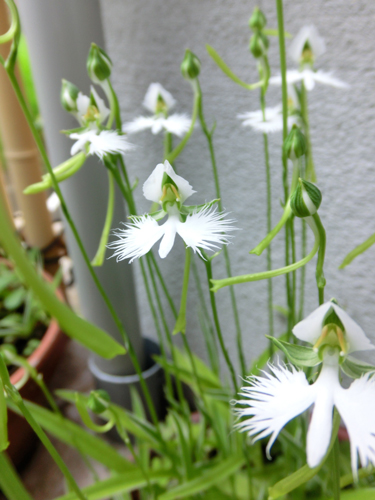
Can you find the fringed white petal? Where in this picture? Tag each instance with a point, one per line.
(138, 124)
(205, 230)
(310, 34)
(108, 142)
(356, 406)
(292, 76)
(271, 400)
(310, 328)
(81, 140)
(177, 124)
(136, 239)
(273, 120)
(151, 97)
(356, 337)
(328, 79)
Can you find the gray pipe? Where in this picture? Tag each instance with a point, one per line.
(59, 34)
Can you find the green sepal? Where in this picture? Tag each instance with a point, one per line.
(297, 202)
(257, 20)
(295, 143)
(298, 355)
(355, 368)
(331, 318)
(190, 66)
(98, 401)
(192, 209)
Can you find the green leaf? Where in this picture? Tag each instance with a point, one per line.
(297, 354)
(364, 472)
(208, 478)
(14, 299)
(355, 368)
(120, 483)
(357, 494)
(304, 474)
(72, 434)
(357, 251)
(225, 69)
(4, 443)
(10, 483)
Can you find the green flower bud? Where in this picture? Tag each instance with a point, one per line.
(68, 96)
(258, 44)
(99, 65)
(190, 66)
(98, 401)
(306, 199)
(295, 143)
(257, 20)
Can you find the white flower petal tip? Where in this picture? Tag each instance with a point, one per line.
(152, 188)
(309, 78)
(151, 98)
(310, 329)
(270, 401)
(307, 34)
(273, 120)
(177, 124)
(106, 142)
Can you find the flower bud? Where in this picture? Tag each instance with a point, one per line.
(99, 65)
(257, 20)
(68, 96)
(306, 199)
(295, 143)
(98, 400)
(190, 66)
(258, 44)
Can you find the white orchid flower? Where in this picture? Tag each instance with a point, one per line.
(273, 120)
(200, 227)
(159, 101)
(91, 113)
(272, 400)
(306, 46)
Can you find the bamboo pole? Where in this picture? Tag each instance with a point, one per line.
(22, 157)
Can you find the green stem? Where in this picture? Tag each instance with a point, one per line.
(335, 469)
(167, 144)
(100, 254)
(269, 224)
(217, 284)
(258, 250)
(310, 168)
(163, 285)
(180, 325)
(219, 334)
(10, 483)
(208, 134)
(303, 272)
(320, 279)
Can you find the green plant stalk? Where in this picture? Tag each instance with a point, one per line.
(310, 168)
(4, 443)
(269, 223)
(180, 325)
(335, 468)
(168, 144)
(217, 284)
(280, 23)
(100, 254)
(14, 25)
(208, 134)
(10, 483)
(258, 250)
(162, 283)
(320, 279)
(15, 397)
(358, 250)
(156, 321)
(219, 334)
(303, 273)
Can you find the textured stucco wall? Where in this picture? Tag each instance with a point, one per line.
(146, 40)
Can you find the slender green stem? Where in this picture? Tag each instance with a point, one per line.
(163, 285)
(335, 469)
(168, 145)
(320, 279)
(180, 325)
(10, 483)
(269, 224)
(310, 168)
(258, 250)
(303, 272)
(217, 284)
(209, 134)
(219, 334)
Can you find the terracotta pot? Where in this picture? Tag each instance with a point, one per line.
(21, 437)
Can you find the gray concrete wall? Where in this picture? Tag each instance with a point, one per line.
(146, 40)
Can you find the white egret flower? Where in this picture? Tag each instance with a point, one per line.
(91, 113)
(159, 101)
(306, 46)
(272, 400)
(201, 227)
(273, 120)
